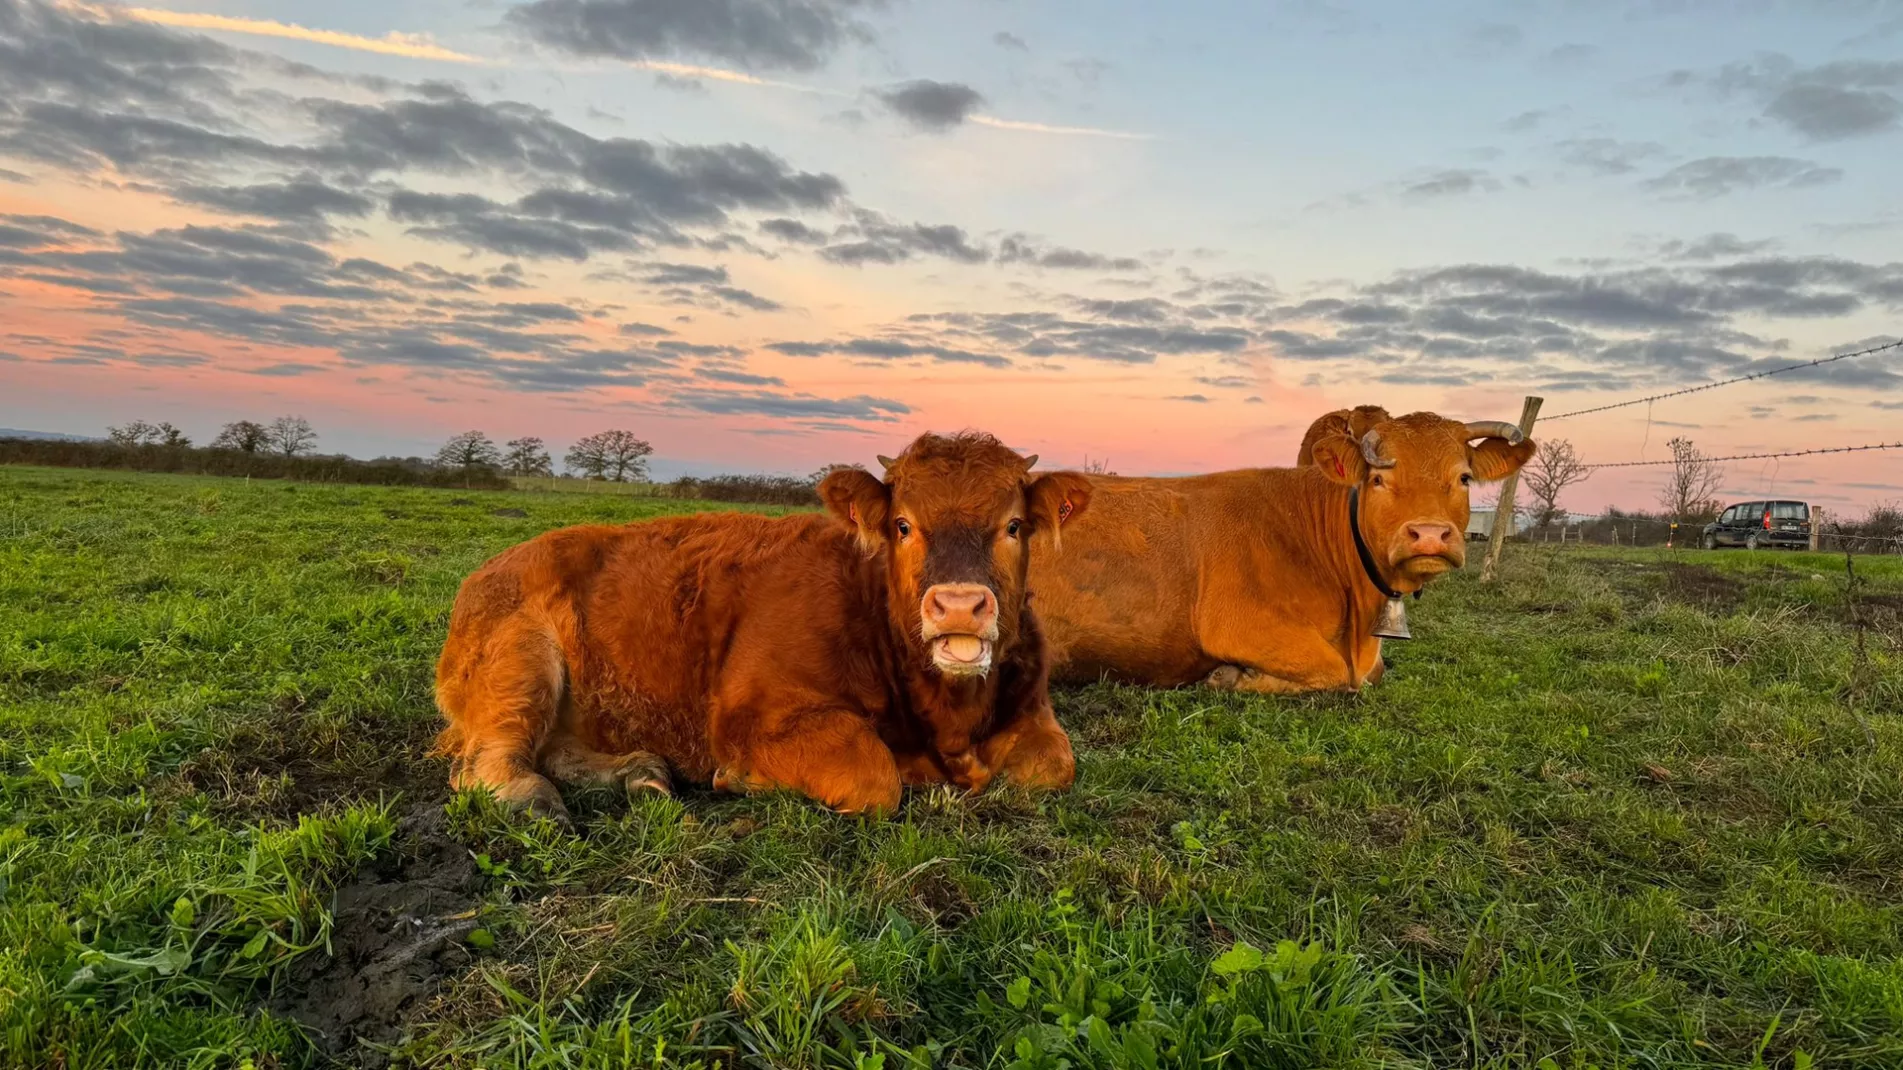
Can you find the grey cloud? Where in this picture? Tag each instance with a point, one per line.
(882, 241)
(1009, 40)
(683, 274)
(1828, 113)
(744, 298)
(1021, 249)
(762, 403)
(932, 106)
(1252, 400)
(1715, 176)
(888, 349)
(1494, 37)
(1828, 102)
(1224, 381)
(797, 35)
(724, 375)
(1448, 183)
(1608, 156)
(1197, 398)
(1526, 120)
(644, 330)
(297, 199)
(285, 369)
(792, 230)
(1713, 247)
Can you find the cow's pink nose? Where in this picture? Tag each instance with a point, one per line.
(1429, 536)
(962, 608)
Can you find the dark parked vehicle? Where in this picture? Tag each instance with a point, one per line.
(1761, 524)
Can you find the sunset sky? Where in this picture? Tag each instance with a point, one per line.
(773, 234)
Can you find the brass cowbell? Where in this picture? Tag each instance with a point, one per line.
(1391, 621)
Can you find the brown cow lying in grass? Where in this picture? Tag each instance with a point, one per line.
(839, 656)
(1256, 578)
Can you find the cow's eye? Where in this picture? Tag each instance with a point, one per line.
(905, 528)
(1466, 479)
(1011, 529)
(1377, 481)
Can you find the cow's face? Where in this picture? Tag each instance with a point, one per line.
(1414, 472)
(955, 515)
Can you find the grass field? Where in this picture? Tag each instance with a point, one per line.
(1619, 809)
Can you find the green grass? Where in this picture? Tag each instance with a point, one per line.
(1620, 809)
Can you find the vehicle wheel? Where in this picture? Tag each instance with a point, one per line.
(1711, 542)
(1751, 541)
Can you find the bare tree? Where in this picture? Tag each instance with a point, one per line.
(134, 433)
(1554, 468)
(292, 435)
(172, 438)
(1691, 484)
(471, 449)
(612, 455)
(244, 436)
(1098, 467)
(527, 457)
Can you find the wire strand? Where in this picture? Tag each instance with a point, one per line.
(1753, 456)
(1727, 382)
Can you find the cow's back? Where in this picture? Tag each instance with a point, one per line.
(1116, 594)
(1156, 564)
(644, 615)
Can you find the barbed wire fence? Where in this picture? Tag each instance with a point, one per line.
(1638, 529)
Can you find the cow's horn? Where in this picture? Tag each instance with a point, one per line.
(1371, 450)
(1030, 462)
(886, 461)
(1495, 429)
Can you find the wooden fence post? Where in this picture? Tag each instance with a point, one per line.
(1503, 511)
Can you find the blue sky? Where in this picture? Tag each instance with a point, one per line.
(1167, 234)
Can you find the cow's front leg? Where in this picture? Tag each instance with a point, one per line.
(1033, 750)
(829, 754)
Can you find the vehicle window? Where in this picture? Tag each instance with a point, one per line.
(1751, 512)
(1789, 511)
(1730, 516)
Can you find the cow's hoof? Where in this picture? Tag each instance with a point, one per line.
(647, 772)
(536, 797)
(1225, 678)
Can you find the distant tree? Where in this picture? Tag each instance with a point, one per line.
(243, 436)
(1555, 467)
(471, 449)
(617, 456)
(135, 433)
(1099, 467)
(527, 457)
(172, 438)
(1691, 485)
(820, 474)
(291, 435)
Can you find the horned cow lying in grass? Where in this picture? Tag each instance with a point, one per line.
(839, 656)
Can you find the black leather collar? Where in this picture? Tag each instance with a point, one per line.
(1361, 546)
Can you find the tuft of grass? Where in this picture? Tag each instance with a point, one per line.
(1613, 810)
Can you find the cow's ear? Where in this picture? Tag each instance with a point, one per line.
(1496, 458)
(1339, 458)
(859, 499)
(1054, 500)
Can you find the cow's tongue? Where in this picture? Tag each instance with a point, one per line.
(963, 647)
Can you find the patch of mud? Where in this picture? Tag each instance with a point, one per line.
(276, 766)
(1699, 585)
(398, 935)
